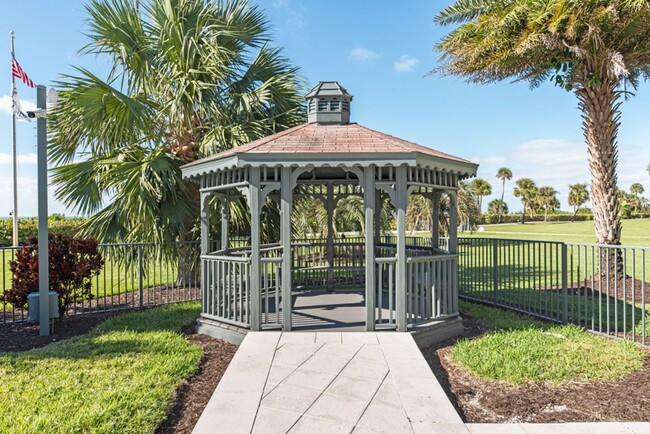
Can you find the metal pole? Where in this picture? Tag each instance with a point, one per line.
(43, 254)
(14, 154)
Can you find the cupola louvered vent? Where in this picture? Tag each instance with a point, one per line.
(329, 103)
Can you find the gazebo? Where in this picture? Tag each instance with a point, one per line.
(408, 284)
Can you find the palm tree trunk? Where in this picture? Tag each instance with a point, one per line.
(600, 107)
(503, 193)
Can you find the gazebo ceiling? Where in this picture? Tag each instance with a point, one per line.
(330, 145)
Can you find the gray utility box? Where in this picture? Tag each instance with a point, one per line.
(34, 305)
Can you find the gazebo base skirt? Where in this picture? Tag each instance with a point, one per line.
(425, 334)
(219, 330)
(431, 333)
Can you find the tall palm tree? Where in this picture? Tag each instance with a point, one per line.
(504, 174)
(187, 78)
(578, 196)
(547, 200)
(525, 190)
(598, 49)
(481, 188)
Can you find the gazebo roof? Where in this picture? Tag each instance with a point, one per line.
(330, 145)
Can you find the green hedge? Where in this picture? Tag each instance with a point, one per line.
(28, 228)
(516, 218)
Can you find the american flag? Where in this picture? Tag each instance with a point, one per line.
(17, 71)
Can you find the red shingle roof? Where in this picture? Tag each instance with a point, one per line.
(318, 139)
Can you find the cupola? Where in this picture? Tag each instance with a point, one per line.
(328, 103)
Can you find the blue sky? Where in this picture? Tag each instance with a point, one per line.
(382, 53)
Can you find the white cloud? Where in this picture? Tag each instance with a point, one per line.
(6, 106)
(405, 63)
(294, 13)
(362, 54)
(557, 163)
(22, 158)
(27, 198)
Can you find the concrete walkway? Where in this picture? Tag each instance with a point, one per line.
(328, 382)
(356, 382)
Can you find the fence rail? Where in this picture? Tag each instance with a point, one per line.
(133, 275)
(598, 287)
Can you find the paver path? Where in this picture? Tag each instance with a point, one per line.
(329, 382)
(357, 382)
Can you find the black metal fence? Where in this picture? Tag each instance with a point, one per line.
(601, 288)
(133, 275)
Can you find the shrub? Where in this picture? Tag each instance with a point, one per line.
(28, 228)
(72, 264)
(516, 218)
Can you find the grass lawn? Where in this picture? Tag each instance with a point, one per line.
(119, 378)
(636, 232)
(522, 350)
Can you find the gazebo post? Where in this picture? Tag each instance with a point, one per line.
(378, 205)
(453, 222)
(205, 223)
(225, 217)
(286, 204)
(435, 219)
(329, 206)
(255, 208)
(400, 275)
(369, 196)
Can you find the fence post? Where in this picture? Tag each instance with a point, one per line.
(495, 269)
(140, 273)
(565, 301)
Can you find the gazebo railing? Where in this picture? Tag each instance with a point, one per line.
(385, 313)
(429, 288)
(271, 291)
(430, 273)
(226, 289)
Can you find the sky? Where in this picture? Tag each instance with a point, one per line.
(382, 52)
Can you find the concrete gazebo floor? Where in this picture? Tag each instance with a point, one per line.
(337, 310)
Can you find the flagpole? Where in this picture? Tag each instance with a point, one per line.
(15, 162)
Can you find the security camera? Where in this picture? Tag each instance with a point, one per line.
(38, 113)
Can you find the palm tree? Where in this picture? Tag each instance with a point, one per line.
(547, 200)
(578, 196)
(481, 188)
(636, 189)
(188, 78)
(419, 213)
(597, 49)
(504, 174)
(497, 207)
(526, 190)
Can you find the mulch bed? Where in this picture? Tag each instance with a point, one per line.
(23, 336)
(488, 401)
(151, 296)
(194, 392)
